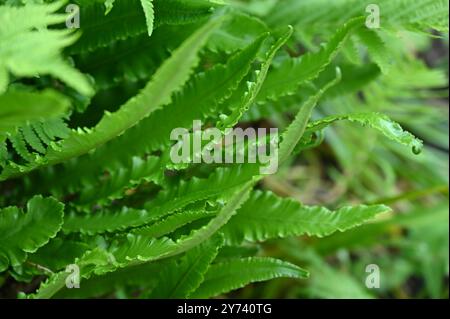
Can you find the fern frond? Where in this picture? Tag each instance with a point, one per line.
(36, 137)
(165, 203)
(253, 88)
(181, 277)
(139, 249)
(153, 133)
(172, 74)
(219, 183)
(87, 263)
(289, 75)
(233, 274)
(173, 222)
(133, 59)
(380, 122)
(28, 48)
(149, 13)
(19, 109)
(104, 222)
(265, 216)
(293, 134)
(130, 18)
(22, 233)
(376, 48)
(198, 100)
(119, 180)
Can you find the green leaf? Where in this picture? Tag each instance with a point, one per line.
(29, 48)
(169, 78)
(20, 108)
(136, 250)
(166, 203)
(141, 249)
(236, 273)
(265, 216)
(377, 121)
(285, 78)
(147, 5)
(134, 59)
(22, 233)
(376, 48)
(221, 181)
(87, 264)
(105, 221)
(120, 179)
(58, 253)
(172, 223)
(297, 128)
(181, 277)
(254, 87)
(199, 100)
(131, 18)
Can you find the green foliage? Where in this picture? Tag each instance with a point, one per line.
(23, 233)
(21, 108)
(236, 273)
(264, 216)
(85, 138)
(23, 28)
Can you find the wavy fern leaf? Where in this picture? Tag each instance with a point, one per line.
(288, 76)
(119, 180)
(236, 273)
(167, 202)
(253, 88)
(22, 233)
(172, 223)
(377, 121)
(265, 216)
(104, 221)
(293, 134)
(140, 249)
(376, 48)
(181, 277)
(87, 264)
(219, 183)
